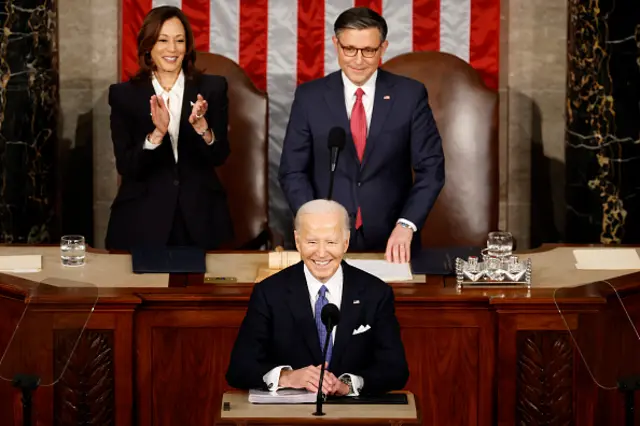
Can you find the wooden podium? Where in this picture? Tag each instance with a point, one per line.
(156, 355)
(237, 410)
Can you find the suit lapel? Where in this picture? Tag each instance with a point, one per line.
(334, 97)
(146, 92)
(298, 302)
(349, 314)
(381, 110)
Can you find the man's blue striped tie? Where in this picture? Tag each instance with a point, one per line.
(322, 330)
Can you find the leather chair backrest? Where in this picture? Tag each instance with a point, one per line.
(466, 113)
(244, 174)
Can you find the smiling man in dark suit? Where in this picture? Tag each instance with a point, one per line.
(278, 345)
(390, 132)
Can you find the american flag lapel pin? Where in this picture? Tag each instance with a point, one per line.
(386, 97)
(356, 302)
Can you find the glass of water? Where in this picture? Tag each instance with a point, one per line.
(500, 244)
(72, 250)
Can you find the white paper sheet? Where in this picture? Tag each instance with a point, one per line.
(21, 263)
(607, 259)
(282, 396)
(384, 270)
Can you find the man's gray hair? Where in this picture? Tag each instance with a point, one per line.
(323, 206)
(360, 18)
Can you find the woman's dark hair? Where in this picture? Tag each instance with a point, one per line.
(148, 36)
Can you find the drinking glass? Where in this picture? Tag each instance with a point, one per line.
(500, 244)
(72, 250)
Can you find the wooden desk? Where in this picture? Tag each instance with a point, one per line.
(242, 413)
(476, 357)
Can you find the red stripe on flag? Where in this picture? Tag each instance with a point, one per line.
(253, 41)
(197, 12)
(371, 4)
(484, 40)
(133, 13)
(426, 25)
(310, 40)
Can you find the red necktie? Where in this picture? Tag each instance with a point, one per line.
(359, 134)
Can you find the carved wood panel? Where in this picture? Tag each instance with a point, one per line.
(85, 394)
(544, 379)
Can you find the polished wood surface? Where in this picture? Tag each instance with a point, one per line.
(240, 412)
(157, 356)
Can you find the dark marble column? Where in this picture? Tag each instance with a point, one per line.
(603, 122)
(28, 117)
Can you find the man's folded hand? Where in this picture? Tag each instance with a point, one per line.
(309, 378)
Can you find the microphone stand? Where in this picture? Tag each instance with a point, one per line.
(27, 384)
(332, 173)
(319, 397)
(330, 186)
(628, 386)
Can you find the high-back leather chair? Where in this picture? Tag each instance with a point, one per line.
(466, 113)
(244, 174)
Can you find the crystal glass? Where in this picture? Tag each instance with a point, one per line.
(514, 264)
(500, 244)
(473, 263)
(72, 250)
(494, 265)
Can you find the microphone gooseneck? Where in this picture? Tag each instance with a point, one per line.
(330, 317)
(336, 142)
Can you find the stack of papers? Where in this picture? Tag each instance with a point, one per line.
(607, 259)
(384, 270)
(24, 263)
(282, 396)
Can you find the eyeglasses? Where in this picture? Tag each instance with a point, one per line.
(367, 52)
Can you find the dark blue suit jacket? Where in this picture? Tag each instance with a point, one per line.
(402, 137)
(279, 329)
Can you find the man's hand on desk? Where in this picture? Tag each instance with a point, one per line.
(309, 377)
(339, 388)
(399, 245)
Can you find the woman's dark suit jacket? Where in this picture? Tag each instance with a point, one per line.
(153, 185)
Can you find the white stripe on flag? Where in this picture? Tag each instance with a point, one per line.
(332, 9)
(224, 31)
(455, 21)
(282, 57)
(399, 17)
(158, 3)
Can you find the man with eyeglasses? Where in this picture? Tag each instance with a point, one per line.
(392, 167)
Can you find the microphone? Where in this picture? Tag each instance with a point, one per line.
(330, 317)
(336, 142)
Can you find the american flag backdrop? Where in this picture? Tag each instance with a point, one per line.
(282, 43)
